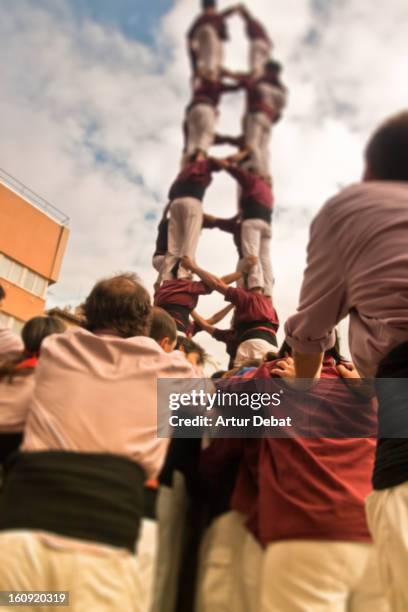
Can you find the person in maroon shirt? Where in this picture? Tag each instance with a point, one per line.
(179, 297)
(303, 498)
(261, 45)
(186, 213)
(255, 321)
(266, 98)
(201, 113)
(255, 205)
(206, 36)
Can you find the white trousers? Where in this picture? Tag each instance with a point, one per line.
(257, 133)
(200, 124)
(256, 237)
(209, 50)
(104, 583)
(259, 53)
(219, 584)
(186, 221)
(256, 348)
(171, 509)
(317, 576)
(387, 514)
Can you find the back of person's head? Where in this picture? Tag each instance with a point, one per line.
(2, 293)
(273, 67)
(387, 151)
(218, 374)
(208, 4)
(163, 329)
(193, 351)
(37, 329)
(120, 304)
(33, 334)
(395, 364)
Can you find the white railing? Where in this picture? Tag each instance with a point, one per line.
(33, 198)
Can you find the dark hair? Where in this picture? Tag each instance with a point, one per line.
(334, 352)
(387, 150)
(38, 328)
(273, 66)
(162, 325)
(189, 346)
(206, 4)
(2, 293)
(121, 304)
(33, 334)
(218, 374)
(395, 364)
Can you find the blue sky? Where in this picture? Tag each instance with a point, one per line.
(135, 18)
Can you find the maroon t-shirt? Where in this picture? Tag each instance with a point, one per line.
(181, 292)
(256, 198)
(209, 91)
(251, 307)
(308, 488)
(215, 20)
(255, 30)
(193, 180)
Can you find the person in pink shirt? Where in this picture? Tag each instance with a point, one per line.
(357, 266)
(89, 445)
(10, 344)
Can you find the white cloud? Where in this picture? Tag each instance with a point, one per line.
(76, 93)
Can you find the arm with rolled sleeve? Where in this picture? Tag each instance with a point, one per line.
(323, 301)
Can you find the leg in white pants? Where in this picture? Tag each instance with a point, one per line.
(209, 49)
(105, 582)
(256, 236)
(387, 514)
(265, 258)
(319, 576)
(257, 131)
(259, 53)
(186, 220)
(219, 579)
(200, 122)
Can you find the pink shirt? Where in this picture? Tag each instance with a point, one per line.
(357, 265)
(15, 398)
(10, 344)
(98, 394)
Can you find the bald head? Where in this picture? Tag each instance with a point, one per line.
(120, 304)
(387, 151)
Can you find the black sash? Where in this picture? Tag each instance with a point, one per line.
(93, 497)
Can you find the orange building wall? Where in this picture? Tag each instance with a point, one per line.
(29, 236)
(20, 303)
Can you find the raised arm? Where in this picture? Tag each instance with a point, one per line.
(220, 315)
(212, 281)
(203, 323)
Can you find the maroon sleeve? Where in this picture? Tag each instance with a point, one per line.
(226, 225)
(238, 297)
(223, 335)
(243, 177)
(199, 288)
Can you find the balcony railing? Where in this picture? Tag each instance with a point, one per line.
(33, 198)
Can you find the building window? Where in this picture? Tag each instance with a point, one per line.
(22, 277)
(16, 325)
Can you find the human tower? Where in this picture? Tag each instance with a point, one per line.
(183, 218)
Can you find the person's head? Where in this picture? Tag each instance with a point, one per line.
(121, 305)
(194, 353)
(209, 6)
(33, 334)
(37, 329)
(163, 329)
(2, 294)
(386, 155)
(218, 374)
(272, 67)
